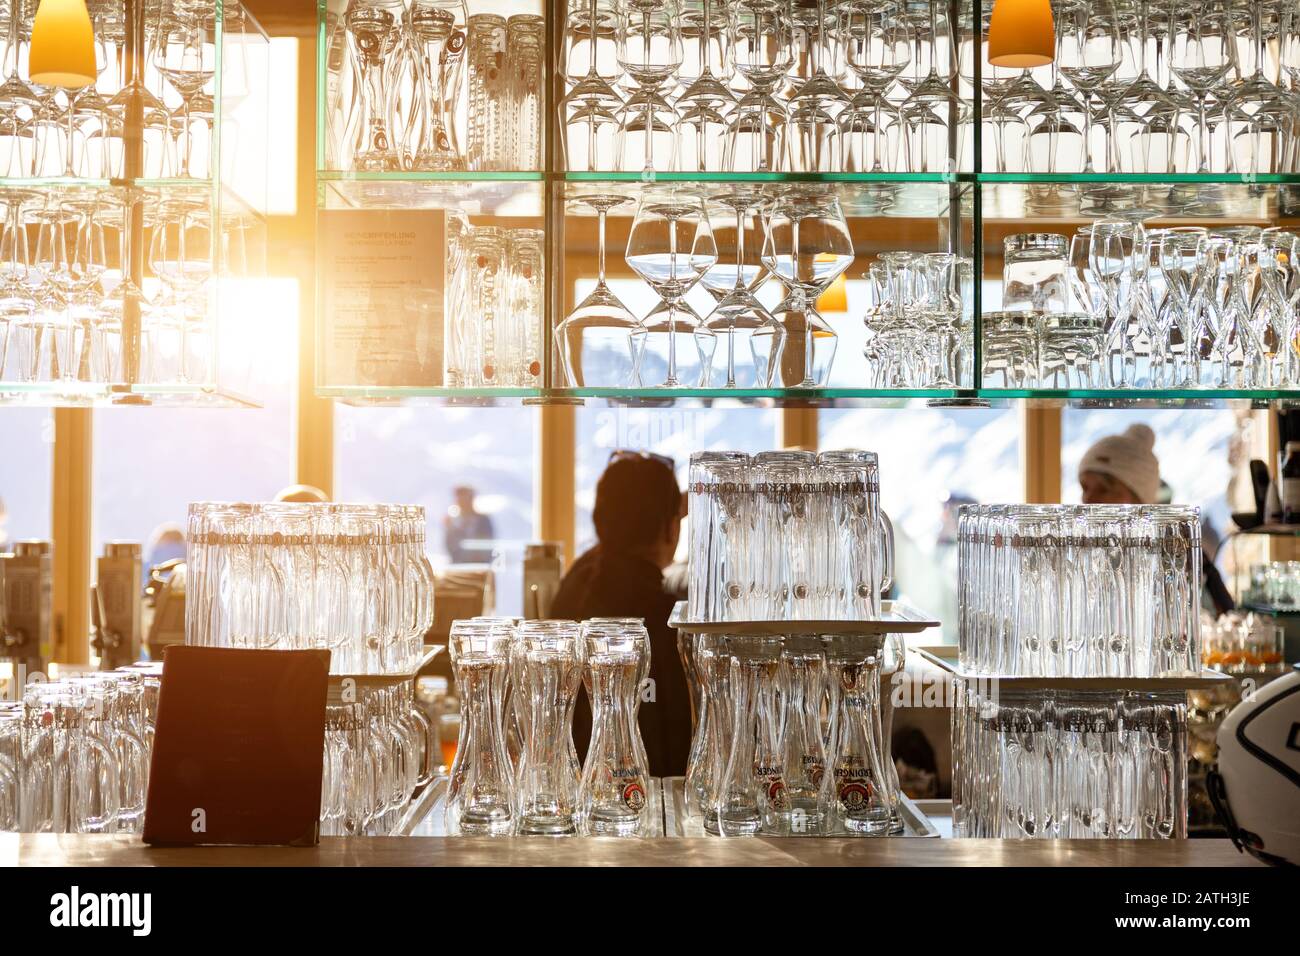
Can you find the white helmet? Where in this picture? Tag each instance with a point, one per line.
(1256, 789)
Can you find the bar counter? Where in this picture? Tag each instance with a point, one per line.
(48, 849)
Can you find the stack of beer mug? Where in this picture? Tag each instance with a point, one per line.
(516, 769)
(1062, 764)
(379, 751)
(494, 305)
(787, 535)
(74, 754)
(1080, 591)
(791, 737)
(1077, 597)
(350, 578)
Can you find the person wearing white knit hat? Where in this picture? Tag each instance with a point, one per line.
(1121, 469)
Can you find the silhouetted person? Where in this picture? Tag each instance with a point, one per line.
(468, 533)
(638, 518)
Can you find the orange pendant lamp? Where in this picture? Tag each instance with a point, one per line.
(1021, 34)
(63, 45)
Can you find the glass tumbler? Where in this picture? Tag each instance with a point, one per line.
(1034, 272)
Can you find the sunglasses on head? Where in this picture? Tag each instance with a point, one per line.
(621, 454)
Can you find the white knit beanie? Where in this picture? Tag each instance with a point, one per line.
(1127, 458)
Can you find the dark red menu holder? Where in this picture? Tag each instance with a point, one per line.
(238, 749)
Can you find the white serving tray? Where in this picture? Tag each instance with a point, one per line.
(896, 618)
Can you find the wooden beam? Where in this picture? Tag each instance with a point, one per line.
(556, 483)
(71, 510)
(1040, 454)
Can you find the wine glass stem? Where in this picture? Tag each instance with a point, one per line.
(1202, 107)
(1087, 131)
(600, 247)
(649, 101)
(672, 305)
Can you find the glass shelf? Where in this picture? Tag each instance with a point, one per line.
(472, 194)
(834, 397)
(955, 209)
(98, 395)
(650, 176)
(1136, 397)
(1021, 198)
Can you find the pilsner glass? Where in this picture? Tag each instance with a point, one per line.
(550, 669)
(862, 803)
(481, 791)
(804, 676)
(613, 795)
(753, 796)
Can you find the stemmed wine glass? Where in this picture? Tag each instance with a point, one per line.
(17, 303)
(739, 316)
(601, 341)
(650, 52)
(814, 132)
(1182, 257)
(185, 56)
(807, 246)
(1201, 57)
(703, 103)
(671, 246)
(1089, 52)
(591, 108)
(759, 35)
(878, 50)
(1111, 255)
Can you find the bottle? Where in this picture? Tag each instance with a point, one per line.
(1290, 476)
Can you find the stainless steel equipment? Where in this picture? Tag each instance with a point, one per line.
(543, 569)
(117, 605)
(25, 609)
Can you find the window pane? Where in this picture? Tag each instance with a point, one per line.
(150, 464)
(1204, 457)
(672, 432)
(26, 463)
(931, 461)
(421, 455)
(1192, 447)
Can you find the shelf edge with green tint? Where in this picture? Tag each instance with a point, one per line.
(1119, 398)
(1138, 179)
(96, 395)
(650, 177)
(418, 176)
(1130, 395)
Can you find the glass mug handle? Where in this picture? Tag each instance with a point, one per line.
(84, 820)
(886, 550)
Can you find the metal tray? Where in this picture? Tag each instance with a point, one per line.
(943, 658)
(896, 618)
(679, 823)
(424, 817)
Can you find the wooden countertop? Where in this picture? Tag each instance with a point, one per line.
(102, 850)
